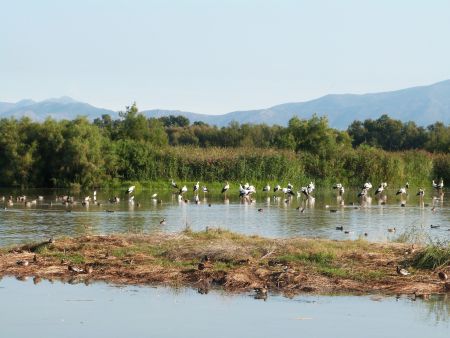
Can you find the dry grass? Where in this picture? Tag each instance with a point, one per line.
(235, 262)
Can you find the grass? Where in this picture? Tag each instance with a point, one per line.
(432, 257)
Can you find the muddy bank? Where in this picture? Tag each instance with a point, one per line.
(221, 259)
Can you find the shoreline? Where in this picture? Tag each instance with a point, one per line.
(218, 259)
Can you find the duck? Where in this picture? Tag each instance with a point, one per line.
(442, 275)
(402, 271)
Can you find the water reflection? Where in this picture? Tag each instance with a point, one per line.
(271, 215)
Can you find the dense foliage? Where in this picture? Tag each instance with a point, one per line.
(135, 148)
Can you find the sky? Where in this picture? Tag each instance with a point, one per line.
(215, 57)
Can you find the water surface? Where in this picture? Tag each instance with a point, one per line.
(101, 310)
(20, 223)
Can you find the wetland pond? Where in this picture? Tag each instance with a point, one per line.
(54, 309)
(20, 223)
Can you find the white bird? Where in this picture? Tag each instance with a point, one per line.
(276, 188)
(310, 188)
(266, 188)
(421, 193)
(131, 199)
(225, 188)
(380, 188)
(337, 186)
(196, 199)
(363, 193)
(402, 272)
(401, 191)
(95, 195)
(130, 189)
(173, 184)
(438, 186)
(154, 195)
(305, 191)
(367, 186)
(183, 190)
(290, 186)
(205, 189)
(196, 186)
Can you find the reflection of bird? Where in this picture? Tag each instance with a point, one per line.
(130, 189)
(402, 271)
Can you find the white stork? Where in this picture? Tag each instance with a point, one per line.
(130, 189)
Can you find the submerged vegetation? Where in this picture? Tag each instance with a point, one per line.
(135, 148)
(218, 258)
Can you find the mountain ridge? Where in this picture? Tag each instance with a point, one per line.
(421, 104)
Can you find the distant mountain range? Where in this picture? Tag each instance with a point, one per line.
(423, 105)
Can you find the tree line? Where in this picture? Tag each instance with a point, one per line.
(133, 147)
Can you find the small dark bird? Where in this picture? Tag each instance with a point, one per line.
(391, 230)
(162, 222)
(333, 210)
(261, 291)
(340, 228)
(434, 226)
(260, 209)
(366, 234)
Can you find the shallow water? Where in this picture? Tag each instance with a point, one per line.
(20, 223)
(101, 310)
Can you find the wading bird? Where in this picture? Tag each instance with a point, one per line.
(266, 188)
(421, 193)
(402, 191)
(225, 188)
(130, 189)
(276, 188)
(173, 184)
(196, 186)
(183, 190)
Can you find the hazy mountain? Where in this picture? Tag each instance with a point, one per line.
(58, 108)
(424, 105)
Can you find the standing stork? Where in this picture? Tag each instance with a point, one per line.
(173, 184)
(130, 189)
(225, 188)
(266, 188)
(196, 187)
(183, 190)
(276, 188)
(402, 191)
(340, 189)
(439, 187)
(380, 188)
(421, 193)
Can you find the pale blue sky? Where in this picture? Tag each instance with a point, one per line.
(218, 56)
